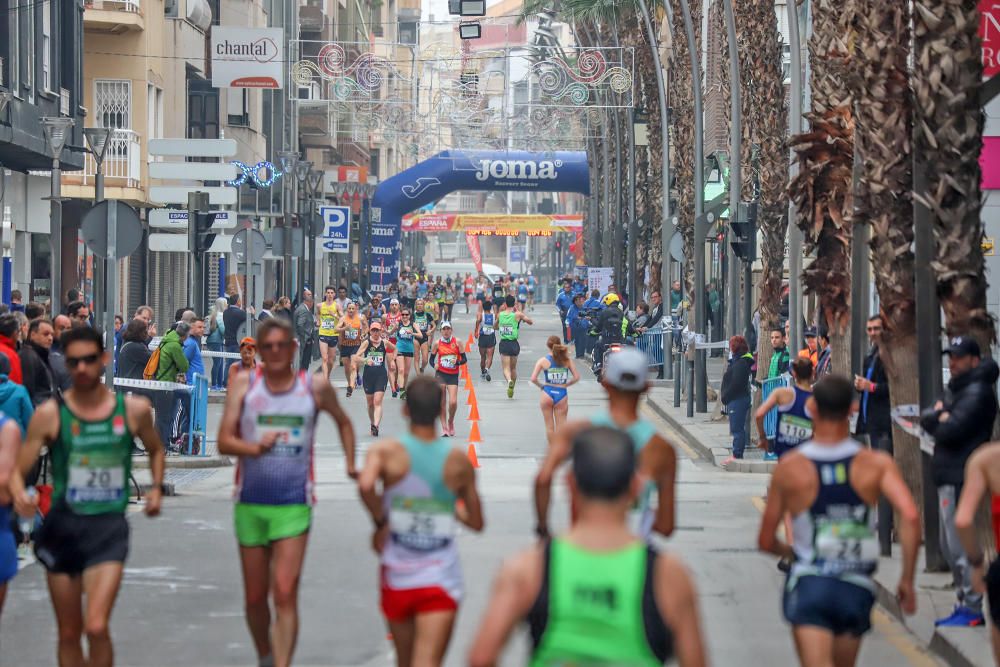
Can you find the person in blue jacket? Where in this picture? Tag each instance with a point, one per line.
(593, 303)
(580, 286)
(14, 399)
(579, 326)
(563, 302)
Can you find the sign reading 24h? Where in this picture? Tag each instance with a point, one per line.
(336, 228)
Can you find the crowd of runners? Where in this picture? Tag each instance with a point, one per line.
(599, 593)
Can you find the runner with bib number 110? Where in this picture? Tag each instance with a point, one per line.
(415, 516)
(84, 540)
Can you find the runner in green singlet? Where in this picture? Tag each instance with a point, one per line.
(508, 325)
(84, 539)
(596, 595)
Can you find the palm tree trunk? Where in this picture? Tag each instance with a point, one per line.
(884, 127)
(822, 190)
(949, 123)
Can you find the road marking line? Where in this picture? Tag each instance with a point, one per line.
(894, 632)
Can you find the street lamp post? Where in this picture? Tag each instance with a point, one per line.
(56, 130)
(98, 139)
(302, 173)
(315, 182)
(288, 161)
(735, 177)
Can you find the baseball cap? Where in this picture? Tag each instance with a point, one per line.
(963, 346)
(445, 324)
(248, 341)
(627, 370)
(810, 332)
(392, 301)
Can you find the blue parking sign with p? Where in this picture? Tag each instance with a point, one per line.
(336, 228)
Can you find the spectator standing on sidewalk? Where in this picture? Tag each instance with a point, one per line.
(675, 295)
(578, 326)
(34, 354)
(233, 318)
(15, 301)
(779, 358)
(305, 329)
(959, 423)
(9, 329)
(563, 302)
(216, 342)
(825, 362)
(172, 367)
(192, 351)
(811, 350)
(735, 394)
(135, 352)
(14, 400)
(874, 419)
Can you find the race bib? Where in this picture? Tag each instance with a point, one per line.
(795, 428)
(558, 375)
(377, 358)
(327, 323)
(405, 334)
(421, 524)
(449, 361)
(506, 330)
(351, 334)
(486, 331)
(846, 546)
(290, 430)
(95, 478)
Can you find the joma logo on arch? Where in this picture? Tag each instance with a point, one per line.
(515, 169)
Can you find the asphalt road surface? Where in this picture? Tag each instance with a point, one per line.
(181, 600)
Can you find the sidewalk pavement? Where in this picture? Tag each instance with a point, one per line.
(960, 647)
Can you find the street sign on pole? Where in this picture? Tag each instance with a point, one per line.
(192, 147)
(95, 228)
(172, 194)
(179, 243)
(249, 246)
(176, 219)
(194, 171)
(336, 234)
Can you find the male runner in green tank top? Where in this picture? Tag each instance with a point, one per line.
(83, 541)
(508, 326)
(596, 575)
(625, 381)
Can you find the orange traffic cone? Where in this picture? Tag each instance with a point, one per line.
(468, 382)
(473, 412)
(471, 453)
(468, 343)
(474, 433)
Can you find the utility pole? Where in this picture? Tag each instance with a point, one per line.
(197, 202)
(735, 175)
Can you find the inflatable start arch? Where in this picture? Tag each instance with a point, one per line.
(429, 181)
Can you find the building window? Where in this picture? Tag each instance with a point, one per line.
(113, 103)
(203, 109)
(238, 107)
(14, 50)
(47, 9)
(154, 112)
(29, 45)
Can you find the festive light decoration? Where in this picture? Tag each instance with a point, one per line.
(253, 174)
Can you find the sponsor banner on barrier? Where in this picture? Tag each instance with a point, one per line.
(485, 224)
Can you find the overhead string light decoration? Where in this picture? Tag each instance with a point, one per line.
(252, 175)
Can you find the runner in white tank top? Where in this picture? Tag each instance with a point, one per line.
(415, 523)
(269, 424)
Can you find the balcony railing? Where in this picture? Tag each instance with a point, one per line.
(132, 6)
(121, 163)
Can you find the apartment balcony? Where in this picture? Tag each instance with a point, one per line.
(113, 16)
(313, 16)
(122, 171)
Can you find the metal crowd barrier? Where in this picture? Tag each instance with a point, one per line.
(771, 419)
(197, 405)
(650, 343)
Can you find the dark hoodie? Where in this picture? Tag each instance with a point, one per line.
(971, 404)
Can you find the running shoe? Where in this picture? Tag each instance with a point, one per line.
(770, 456)
(488, 378)
(350, 390)
(961, 617)
(784, 565)
(395, 393)
(374, 430)
(402, 394)
(510, 390)
(357, 381)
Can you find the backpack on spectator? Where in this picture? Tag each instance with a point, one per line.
(149, 372)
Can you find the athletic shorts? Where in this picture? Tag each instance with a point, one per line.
(69, 543)
(402, 605)
(509, 348)
(329, 340)
(555, 393)
(8, 547)
(408, 355)
(374, 381)
(486, 342)
(993, 590)
(841, 607)
(259, 525)
(446, 378)
(347, 352)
